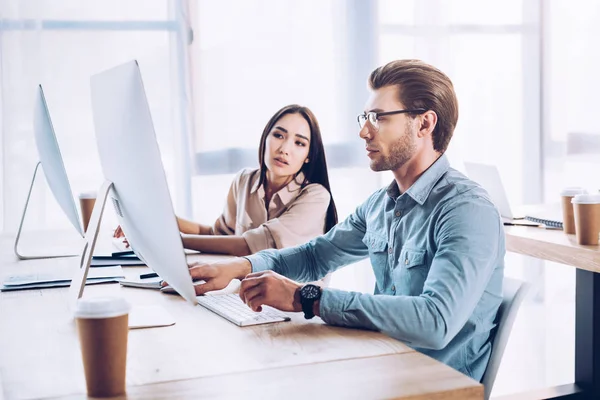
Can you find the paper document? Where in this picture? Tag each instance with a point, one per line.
(47, 280)
(148, 283)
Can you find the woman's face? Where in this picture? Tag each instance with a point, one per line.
(287, 145)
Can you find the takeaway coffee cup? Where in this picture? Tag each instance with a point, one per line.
(87, 201)
(567, 195)
(586, 209)
(103, 326)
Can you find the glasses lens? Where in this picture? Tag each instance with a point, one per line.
(362, 119)
(373, 119)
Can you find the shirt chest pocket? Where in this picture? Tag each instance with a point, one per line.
(378, 255)
(411, 271)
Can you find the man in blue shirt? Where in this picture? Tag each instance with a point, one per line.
(434, 238)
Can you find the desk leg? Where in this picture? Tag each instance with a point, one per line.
(587, 325)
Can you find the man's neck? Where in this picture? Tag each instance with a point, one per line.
(408, 174)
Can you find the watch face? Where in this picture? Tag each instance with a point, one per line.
(310, 292)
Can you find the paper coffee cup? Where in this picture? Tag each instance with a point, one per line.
(87, 200)
(586, 209)
(103, 327)
(567, 195)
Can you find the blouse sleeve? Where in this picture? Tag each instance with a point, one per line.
(303, 220)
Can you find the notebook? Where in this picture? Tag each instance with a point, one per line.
(49, 280)
(550, 216)
(147, 283)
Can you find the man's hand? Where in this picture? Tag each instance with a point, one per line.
(271, 289)
(218, 275)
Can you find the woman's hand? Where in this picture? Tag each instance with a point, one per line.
(189, 227)
(120, 234)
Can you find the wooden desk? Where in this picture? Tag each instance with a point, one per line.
(203, 355)
(552, 245)
(555, 245)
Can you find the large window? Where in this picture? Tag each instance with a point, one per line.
(491, 52)
(60, 45)
(572, 83)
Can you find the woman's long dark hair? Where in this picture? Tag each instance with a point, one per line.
(315, 170)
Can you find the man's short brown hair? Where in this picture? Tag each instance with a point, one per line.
(421, 85)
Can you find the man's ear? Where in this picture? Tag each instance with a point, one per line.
(428, 122)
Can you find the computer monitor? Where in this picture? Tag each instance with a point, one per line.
(54, 170)
(132, 166)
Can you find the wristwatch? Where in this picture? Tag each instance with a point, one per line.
(308, 295)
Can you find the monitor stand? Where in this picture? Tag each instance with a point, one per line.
(91, 236)
(148, 316)
(16, 246)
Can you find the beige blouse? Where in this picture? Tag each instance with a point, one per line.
(294, 217)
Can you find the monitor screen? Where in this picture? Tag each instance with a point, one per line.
(51, 159)
(131, 160)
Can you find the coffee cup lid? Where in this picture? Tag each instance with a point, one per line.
(586, 199)
(101, 307)
(572, 191)
(88, 195)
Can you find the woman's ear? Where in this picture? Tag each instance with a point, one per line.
(306, 161)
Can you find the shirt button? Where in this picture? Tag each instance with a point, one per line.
(390, 250)
(394, 288)
(398, 213)
(406, 262)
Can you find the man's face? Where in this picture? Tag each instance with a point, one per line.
(394, 141)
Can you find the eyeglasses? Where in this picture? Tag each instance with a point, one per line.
(373, 117)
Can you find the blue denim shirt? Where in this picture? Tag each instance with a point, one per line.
(437, 251)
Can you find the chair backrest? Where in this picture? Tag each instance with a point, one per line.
(513, 292)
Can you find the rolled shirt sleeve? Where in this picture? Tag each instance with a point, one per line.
(303, 219)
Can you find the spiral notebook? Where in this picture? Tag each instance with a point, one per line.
(548, 222)
(548, 215)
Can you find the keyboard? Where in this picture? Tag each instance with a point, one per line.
(233, 309)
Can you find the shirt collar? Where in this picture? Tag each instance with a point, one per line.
(420, 190)
(286, 193)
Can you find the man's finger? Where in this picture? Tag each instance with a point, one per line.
(256, 303)
(203, 288)
(258, 274)
(249, 283)
(200, 272)
(251, 293)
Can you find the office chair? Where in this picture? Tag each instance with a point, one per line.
(513, 292)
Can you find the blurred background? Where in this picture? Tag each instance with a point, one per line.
(525, 72)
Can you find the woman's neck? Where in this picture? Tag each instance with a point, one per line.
(274, 184)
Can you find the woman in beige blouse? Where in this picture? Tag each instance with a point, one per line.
(286, 202)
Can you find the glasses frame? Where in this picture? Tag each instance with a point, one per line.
(384, 113)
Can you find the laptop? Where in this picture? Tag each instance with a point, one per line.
(489, 178)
